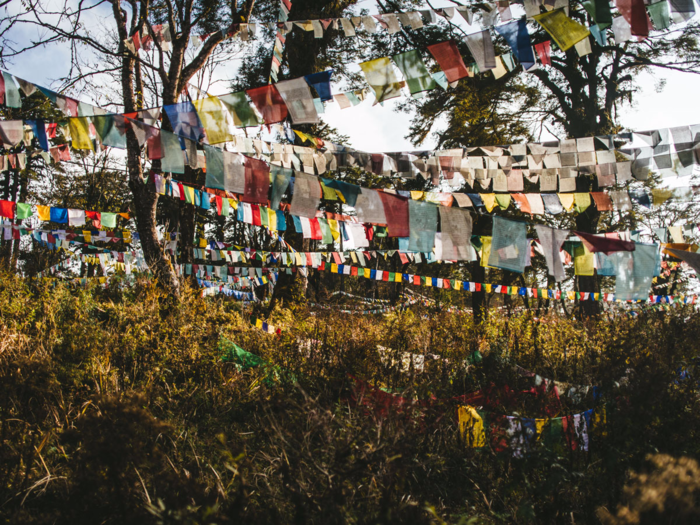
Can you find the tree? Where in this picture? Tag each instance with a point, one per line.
(169, 73)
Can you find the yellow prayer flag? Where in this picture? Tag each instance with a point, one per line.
(272, 219)
(583, 261)
(471, 427)
(500, 69)
(335, 230)
(485, 251)
(382, 78)
(44, 213)
(334, 268)
(398, 277)
(416, 195)
(216, 119)
(202, 242)
(565, 31)
(80, 133)
(567, 200)
(489, 200)
(368, 273)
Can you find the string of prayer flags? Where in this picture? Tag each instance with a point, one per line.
(413, 69)
(450, 60)
(381, 78)
(518, 39)
(565, 31)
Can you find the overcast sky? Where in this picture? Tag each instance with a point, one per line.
(376, 128)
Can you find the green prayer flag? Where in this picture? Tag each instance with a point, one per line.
(108, 220)
(173, 160)
(12, 98)
(243, 114)
(24, 211)
(325, 231)
(414, 71)
(215, 167)
(660, 15)
(225, 207)
(565, 31)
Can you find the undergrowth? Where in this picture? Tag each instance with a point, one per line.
(119, 406)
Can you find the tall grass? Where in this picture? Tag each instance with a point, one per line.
(117, 407)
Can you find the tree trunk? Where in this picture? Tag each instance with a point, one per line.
(145, 201)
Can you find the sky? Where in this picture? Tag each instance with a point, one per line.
(376, 128)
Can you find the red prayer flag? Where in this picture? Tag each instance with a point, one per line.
(154, 147)
(7, 209)
(544, 51)
(269, 102)
(602, 201)
(257, 181)
(447, 56)
(2, 89)
(256, 215)
(635, 12)
(606, 245)
(316, 233)
(396, 212)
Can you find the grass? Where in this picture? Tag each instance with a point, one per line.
(117, 407)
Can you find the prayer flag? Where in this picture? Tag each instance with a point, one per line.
(321, 82)
(381, 78)
(413, 69)
(423, 222)
(257, 181)
(551, 241)
(216, 119)
(565, 31)
(269, 103)
(80, 133)
(396, 214)
(184, 121)
(297, 97)
(369, 207)
(243, 114)
(509, 245)
(481, 47)
(518, 39)
(307, 195)
(447, 56)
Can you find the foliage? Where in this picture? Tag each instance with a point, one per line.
(116, 406)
